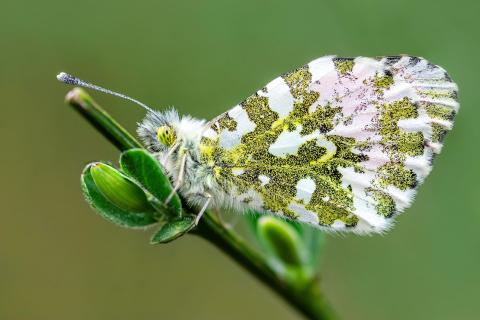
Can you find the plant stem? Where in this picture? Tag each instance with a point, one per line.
(308, 300)
(101, 120)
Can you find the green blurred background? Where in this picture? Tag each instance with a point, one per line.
(58, 260)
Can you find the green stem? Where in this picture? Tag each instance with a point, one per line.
(308, 300)
(101, 120)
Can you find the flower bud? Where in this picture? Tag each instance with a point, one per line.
(281, 239)
(118, 189)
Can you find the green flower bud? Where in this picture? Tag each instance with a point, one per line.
(120, 190)
(282, 240)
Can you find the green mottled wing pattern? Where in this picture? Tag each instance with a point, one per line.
(341, 143)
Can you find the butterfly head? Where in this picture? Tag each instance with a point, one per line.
(158, 130)
(166, 135)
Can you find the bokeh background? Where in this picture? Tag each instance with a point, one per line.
(58, 260)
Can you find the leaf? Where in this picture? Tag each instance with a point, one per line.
(105, 208)
(173, 230)
(144, 168)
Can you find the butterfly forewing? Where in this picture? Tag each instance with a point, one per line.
(339, 143)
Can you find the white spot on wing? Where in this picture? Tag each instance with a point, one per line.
(399, 90)
(210, 133)
(338, 225)
(230, 139)
(280, 99)
(235, 111)
(305, 189)
(320, 67)
(420, 165)
(330, 146)
(255, 200)
(415, 125)
(237, 171)
(366, 67)
(289, 142)
(304, 215)
(264, 179)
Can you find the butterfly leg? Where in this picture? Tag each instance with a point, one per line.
(178, 184)
(169, 153)
(208, 197)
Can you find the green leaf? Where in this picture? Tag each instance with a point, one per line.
(174, 229)
(108, 210)
(144, 168)
(281, 240)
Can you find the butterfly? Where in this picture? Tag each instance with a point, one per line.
(340, 143)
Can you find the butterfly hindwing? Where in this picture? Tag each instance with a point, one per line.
(339, 143)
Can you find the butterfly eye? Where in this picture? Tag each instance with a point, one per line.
(166, 136)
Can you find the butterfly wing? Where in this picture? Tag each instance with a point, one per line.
(339, 143)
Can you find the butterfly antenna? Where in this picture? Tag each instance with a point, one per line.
(69, 79)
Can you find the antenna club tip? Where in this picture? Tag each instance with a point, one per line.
(66, 78)
(61, 76)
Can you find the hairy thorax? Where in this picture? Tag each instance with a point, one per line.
(199, 179)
